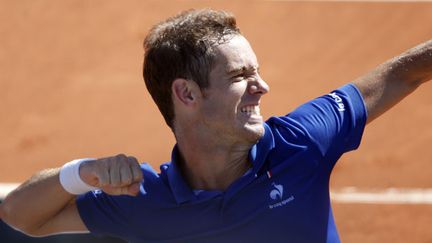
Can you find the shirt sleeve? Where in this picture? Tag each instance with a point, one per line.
(332, 123)
(117, 216)
(104, 214)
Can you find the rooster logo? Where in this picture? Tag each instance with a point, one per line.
(277, 192)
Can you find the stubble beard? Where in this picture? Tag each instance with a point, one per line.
(253, 133)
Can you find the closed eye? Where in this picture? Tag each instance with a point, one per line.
(240, 75)
(245, 73)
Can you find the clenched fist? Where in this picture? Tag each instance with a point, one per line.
(117, 175)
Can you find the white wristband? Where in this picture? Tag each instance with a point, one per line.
(71, 180)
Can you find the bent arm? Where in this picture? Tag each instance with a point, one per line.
(41, 206)
(389, 83)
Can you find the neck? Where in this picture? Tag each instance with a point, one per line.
(212, 165)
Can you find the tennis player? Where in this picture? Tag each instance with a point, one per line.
(232, 177)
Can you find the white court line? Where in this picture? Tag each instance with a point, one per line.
(352, 1)
(386, 196)
(346, 195)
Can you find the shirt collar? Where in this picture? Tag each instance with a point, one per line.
(258, 153)
(182, 191)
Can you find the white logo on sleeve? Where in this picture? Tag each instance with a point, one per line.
(277, 194)
(339, 101)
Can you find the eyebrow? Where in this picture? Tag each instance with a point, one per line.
(241, 69)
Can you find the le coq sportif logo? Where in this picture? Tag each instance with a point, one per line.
(277, 192)
(277, 196)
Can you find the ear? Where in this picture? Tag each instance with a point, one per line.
(184, 91)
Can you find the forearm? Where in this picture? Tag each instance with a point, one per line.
(393, 80)
(412, 67)
(36, 202)
(45, 204)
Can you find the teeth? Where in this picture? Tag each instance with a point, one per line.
(251, 110)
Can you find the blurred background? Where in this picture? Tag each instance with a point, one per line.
(71, 87)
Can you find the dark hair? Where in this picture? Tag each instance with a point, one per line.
(182, 47)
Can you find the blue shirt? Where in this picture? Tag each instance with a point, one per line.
(283, 198)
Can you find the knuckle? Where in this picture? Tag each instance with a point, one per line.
(139, 175)
(121, 157)
(126, 178)
(132, 159)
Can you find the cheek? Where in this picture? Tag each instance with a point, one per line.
(221, 110)
(227, 107)
(231, 102)
(225, 103)
(236, 91)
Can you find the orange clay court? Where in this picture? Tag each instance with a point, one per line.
(71, 87)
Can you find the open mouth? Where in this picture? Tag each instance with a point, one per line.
(251, 110)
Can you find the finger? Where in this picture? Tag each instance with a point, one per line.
(134, 188)
(102, 173)
(126, 176)
(115, 191)
(119, 161)
(114, 170)
(135, 168)
(88, 172)
(123, 190)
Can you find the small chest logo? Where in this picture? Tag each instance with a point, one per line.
(277, 192)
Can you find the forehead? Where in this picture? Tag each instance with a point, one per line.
(235, 54)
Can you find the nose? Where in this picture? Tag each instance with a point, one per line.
(259, 86)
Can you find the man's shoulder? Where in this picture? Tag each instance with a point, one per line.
(333, 122)
(148, 170)
(154, 182)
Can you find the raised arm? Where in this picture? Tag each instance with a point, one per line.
(41, 206)
(393, 80)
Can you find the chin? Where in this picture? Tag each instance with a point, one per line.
(255, 132)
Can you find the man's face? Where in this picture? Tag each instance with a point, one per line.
(231, 102)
